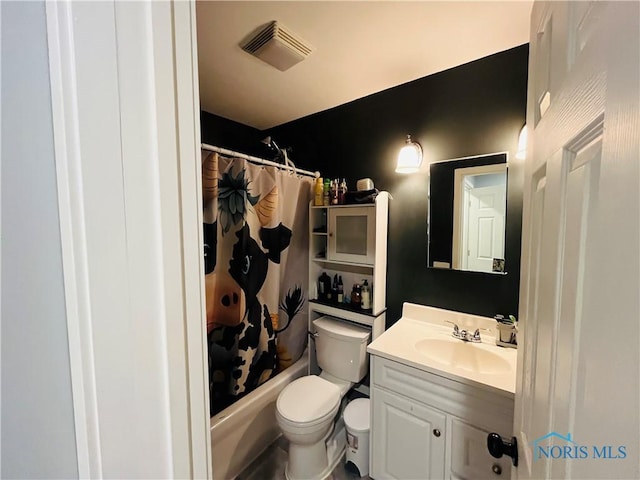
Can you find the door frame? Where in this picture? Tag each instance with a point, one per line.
(130, 169)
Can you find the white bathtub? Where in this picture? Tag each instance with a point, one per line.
(244, 430)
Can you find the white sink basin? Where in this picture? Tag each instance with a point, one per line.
(472, 357)
(422, 339)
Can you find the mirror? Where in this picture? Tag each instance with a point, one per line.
(467, 211)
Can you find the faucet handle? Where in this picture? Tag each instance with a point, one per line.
(476, 335)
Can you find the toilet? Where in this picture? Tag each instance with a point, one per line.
(306, 409)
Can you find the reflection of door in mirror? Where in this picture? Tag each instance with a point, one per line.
(479, 218)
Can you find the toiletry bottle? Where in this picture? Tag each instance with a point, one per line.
(318, 192)
(334, 192)
(366, 296)
(325, 192)
(342, 192)
(334, 288)
(324, 284)
(356, 296)
(340, 290)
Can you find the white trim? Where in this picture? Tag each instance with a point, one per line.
(128, 177)
(72, 228)
(190, 177)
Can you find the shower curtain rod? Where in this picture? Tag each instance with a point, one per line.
(261, 161)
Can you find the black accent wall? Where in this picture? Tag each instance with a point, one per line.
(474, 109)
(221, 132)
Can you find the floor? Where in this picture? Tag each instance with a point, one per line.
(270, 465)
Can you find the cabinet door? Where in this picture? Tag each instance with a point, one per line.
(469, 456)
(352, 234)
(408, 438)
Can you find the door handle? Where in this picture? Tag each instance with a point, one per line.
(498, 447)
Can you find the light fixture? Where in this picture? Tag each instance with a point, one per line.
(410, 157)
(521, 154)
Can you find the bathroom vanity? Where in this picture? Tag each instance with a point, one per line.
(435, 398)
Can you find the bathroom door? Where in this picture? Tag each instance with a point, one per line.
(577, 403)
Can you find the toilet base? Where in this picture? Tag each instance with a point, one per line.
(310, 463)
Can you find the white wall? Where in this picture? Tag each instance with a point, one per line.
(37, 430)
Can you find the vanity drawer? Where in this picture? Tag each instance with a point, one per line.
(456, 398)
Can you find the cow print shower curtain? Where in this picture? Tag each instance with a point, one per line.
(256, 239)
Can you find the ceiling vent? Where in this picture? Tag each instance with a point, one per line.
(278, 46)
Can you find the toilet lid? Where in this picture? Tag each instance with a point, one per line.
(308, 399)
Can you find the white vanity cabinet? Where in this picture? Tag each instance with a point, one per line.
(426, 426)
(409, 440)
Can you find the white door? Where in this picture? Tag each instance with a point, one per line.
(408, 438)
(577, 393)
(485, 234)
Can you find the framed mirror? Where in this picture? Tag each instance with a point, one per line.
(467, 212)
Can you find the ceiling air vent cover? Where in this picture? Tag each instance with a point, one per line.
(277, 46)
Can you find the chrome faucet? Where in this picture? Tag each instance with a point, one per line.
(465, 335)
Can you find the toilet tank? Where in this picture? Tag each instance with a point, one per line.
(341, 348)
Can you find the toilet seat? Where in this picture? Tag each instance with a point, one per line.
(308, 400)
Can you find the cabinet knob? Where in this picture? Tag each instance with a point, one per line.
(331, 234)
(436, 432)
(497, 469)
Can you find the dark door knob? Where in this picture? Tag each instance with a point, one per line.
(498, 447)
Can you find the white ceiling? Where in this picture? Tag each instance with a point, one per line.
(360, 48)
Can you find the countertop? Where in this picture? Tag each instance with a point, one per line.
(418, 322)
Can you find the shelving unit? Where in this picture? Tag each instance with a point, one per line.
(349, 241)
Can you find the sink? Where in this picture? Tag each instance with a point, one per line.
(454, 353)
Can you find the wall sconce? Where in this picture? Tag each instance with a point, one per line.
(410, 157)
(521, 154)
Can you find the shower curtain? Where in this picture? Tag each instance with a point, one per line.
(256, 239)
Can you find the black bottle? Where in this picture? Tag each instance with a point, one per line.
(324, 286)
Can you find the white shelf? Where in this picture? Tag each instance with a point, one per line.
(345, 206)
(374, 271)
(340, 262)
(351, 315)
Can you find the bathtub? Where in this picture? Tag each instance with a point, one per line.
(245, 429)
